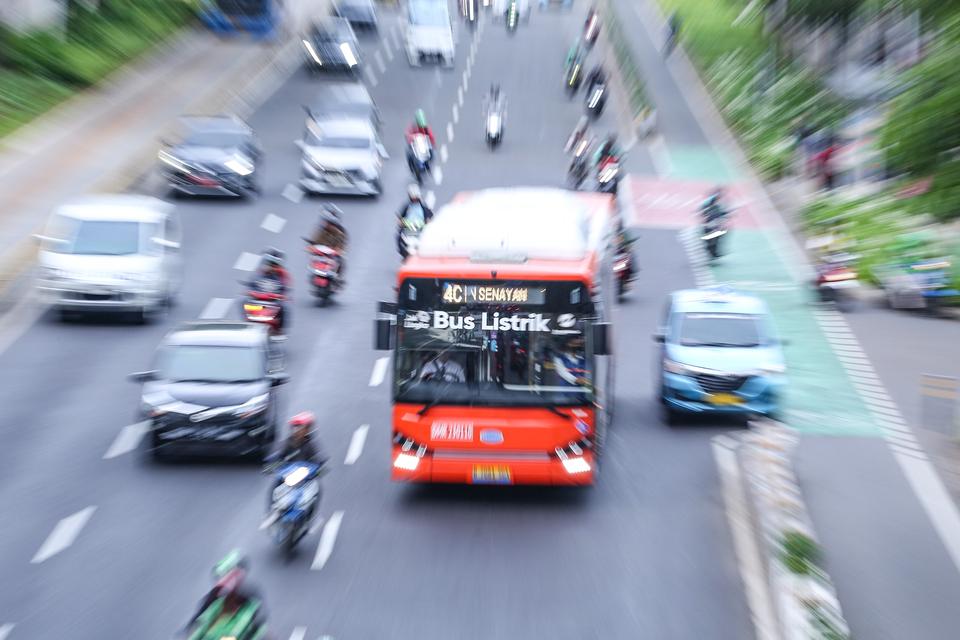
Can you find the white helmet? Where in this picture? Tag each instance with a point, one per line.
(414, 191)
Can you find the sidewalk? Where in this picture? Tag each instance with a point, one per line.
(874, 498)
(103, 138)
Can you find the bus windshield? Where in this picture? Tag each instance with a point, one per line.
(493, 343)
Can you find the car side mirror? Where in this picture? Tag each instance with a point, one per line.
(383, 328)
(601, 338)
(278, 379)
(168, 244)
(382, 150)
(143, 376)
(659, 337)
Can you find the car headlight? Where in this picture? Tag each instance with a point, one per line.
(253, 406)
(312, 51)
(173, 162)
(348, 55)
(161, 409)
(240, 165)
(671, 366)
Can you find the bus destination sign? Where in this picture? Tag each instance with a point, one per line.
(459, 293)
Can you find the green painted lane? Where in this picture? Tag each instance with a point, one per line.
(700, 163)
(821, 398)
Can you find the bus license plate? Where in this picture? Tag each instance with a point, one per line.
(724, 399)
(491, 474)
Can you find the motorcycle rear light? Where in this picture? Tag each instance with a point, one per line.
(253, 307)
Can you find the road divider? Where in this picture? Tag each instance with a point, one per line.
(63, 535)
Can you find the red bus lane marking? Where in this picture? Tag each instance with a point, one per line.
(675, 204)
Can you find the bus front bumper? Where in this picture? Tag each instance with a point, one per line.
(461, 468)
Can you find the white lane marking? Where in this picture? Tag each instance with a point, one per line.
(273, 223)
(299, 633)
(378, 58)
(127, 440)
(456, 114)
(380, 368)
(247, 261)
(356, 444)
(388, 48)
(293, 193)
(444, 153)
(63, 535)
(327, 539)
(745, 542)
(932, 494)
(371, 76)
(660, 157)
(430, 199)
(466, 80)
(450, 132)
(216, 308)
(437, 178)
(459, 96)
(466, 73)
(395, 34)
(20, 318)
(5, 630)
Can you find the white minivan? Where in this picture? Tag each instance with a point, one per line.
(429, 31)
(118, 253)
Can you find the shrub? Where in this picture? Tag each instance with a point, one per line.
(799, 552)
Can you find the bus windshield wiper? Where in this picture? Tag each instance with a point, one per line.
(436, 400)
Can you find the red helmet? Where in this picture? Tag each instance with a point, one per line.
(303, 419)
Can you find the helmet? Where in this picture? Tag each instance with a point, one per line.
(302, 423)
(273, 256)
(612, 140)
(414, 191)
(330, 213)
(421, 118)
(232, 561)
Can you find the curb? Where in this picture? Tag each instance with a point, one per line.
(765, 504)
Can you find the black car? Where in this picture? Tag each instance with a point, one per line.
(331, 45)
(360, 13)
(339, 100)
(212, 392)
(217, 156)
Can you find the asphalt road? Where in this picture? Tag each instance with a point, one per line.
(646, 553)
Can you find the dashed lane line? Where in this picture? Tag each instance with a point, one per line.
(293, 193)
(388, 49)
(247, 261)
(371, 76)
(379, 371)
(456, 114)
(444, 154)
(378, 58)
(273, 223)
(357, 441)
(299, 633)
(430, 199)
(63, 535)
(328, 538)
(459, 97)
(216, 308)
(449, 132)
(6, 630)
(127, 440)
(437, 177)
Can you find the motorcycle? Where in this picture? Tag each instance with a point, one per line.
(263, 303)
(494, 128)
(623, 270)
(577, 172)
(592, 31)
(324, 271)
(410, 236)
(513, 17)
(919, 283)
(836, 281)
(420, 153)
(293, 502)
(574, 77)
(713, 231)
(608, 176)
(596, 100)
(215, 623)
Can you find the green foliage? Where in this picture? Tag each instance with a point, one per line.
(799, 552)
(23, 97)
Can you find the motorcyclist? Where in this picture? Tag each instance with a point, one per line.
(580, 132)
(593, 13)
(673, 32)
(713, 208)
(300, 446)
(608, 150)
(575, 54)
(414, 206)
(420, 127)
(494, 101)
(331, 233)
(625, 248)
(232, 585)
(597, 76)
(272, 267)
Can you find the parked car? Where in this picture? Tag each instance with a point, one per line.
(360, 13)
(217, 156)
(336, 100)
(342, 156)
(331, 45)
(211, 392)
(720, 355)
(111, 253)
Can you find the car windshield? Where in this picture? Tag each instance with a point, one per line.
(100, 237)
(204, 363)
(429, 13)
(332, 33)
(313, 139)
(218, 139)
(531, 351)
(720, 330)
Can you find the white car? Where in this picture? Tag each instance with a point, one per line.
(343, 156)
(429, 32)
(117, 253)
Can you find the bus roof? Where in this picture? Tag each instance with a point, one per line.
(518, 232)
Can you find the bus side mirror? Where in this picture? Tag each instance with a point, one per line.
(383, 333)
(601, 338)
(389, 308)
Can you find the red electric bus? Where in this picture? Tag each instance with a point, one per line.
(502, 372)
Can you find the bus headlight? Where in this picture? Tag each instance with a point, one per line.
(406, 461)
(576, 465)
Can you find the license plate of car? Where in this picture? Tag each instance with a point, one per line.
(491, 474)
(724, 399)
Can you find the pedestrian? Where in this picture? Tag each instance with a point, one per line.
(826, 164)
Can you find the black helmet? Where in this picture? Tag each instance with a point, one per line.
(612, 140)
(273, 256)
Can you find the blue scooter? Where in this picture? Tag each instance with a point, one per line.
(293, 502)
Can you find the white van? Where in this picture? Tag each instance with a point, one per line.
(111, 253)
(429, 31)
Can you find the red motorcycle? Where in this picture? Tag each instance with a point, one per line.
(324, 271)
(264, 303)
(623, 270)
(837, 281)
